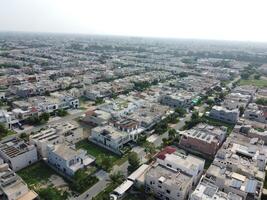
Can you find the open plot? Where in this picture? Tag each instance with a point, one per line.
(258, 83)
(47, 183)
(95, 150)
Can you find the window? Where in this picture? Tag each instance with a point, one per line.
(169, 165)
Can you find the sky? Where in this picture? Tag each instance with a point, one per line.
(242, 20)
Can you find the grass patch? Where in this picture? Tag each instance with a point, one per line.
(52, 193)
(95, 150)
(258, 83)
(36, 174)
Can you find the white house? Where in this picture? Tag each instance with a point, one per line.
(68, 160)
(224, 114)
(8, 119)
(57, 134)
(109, 137)
(255, 113)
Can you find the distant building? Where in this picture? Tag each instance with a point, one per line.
(97, 117)
(8, 119)
(226, 180)
(17, 154)
(206, 190)
(176, 100)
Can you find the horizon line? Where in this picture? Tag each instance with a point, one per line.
(132, 36)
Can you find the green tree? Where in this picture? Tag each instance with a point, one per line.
(3, 129)
(44, 116)
(161, 127)
(82, 181)
(99, 101)
(261, 101)
(183, 74)
(195, 115)
(134, 161)
(245, 75)
(104, 162)
(61, 112)
(117, 178)
(24, 136)
(149, 148)
(172, 133)
(52, 193)
(241, 111)
(210, 102)
(257, 76)
(180, 111)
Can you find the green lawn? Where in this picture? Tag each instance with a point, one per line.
(95, 150)
(258, 83)
(36, 174)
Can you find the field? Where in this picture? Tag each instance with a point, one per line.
(258, 83)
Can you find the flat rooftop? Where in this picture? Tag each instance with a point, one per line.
(170, 177)
(14, 147)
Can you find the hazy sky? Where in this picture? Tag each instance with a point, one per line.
(204, 19)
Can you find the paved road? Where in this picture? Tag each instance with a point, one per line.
(94, 190)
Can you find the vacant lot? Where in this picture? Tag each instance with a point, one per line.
(38, 177)
(95, 150)
(36, 174)
(258, 83)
